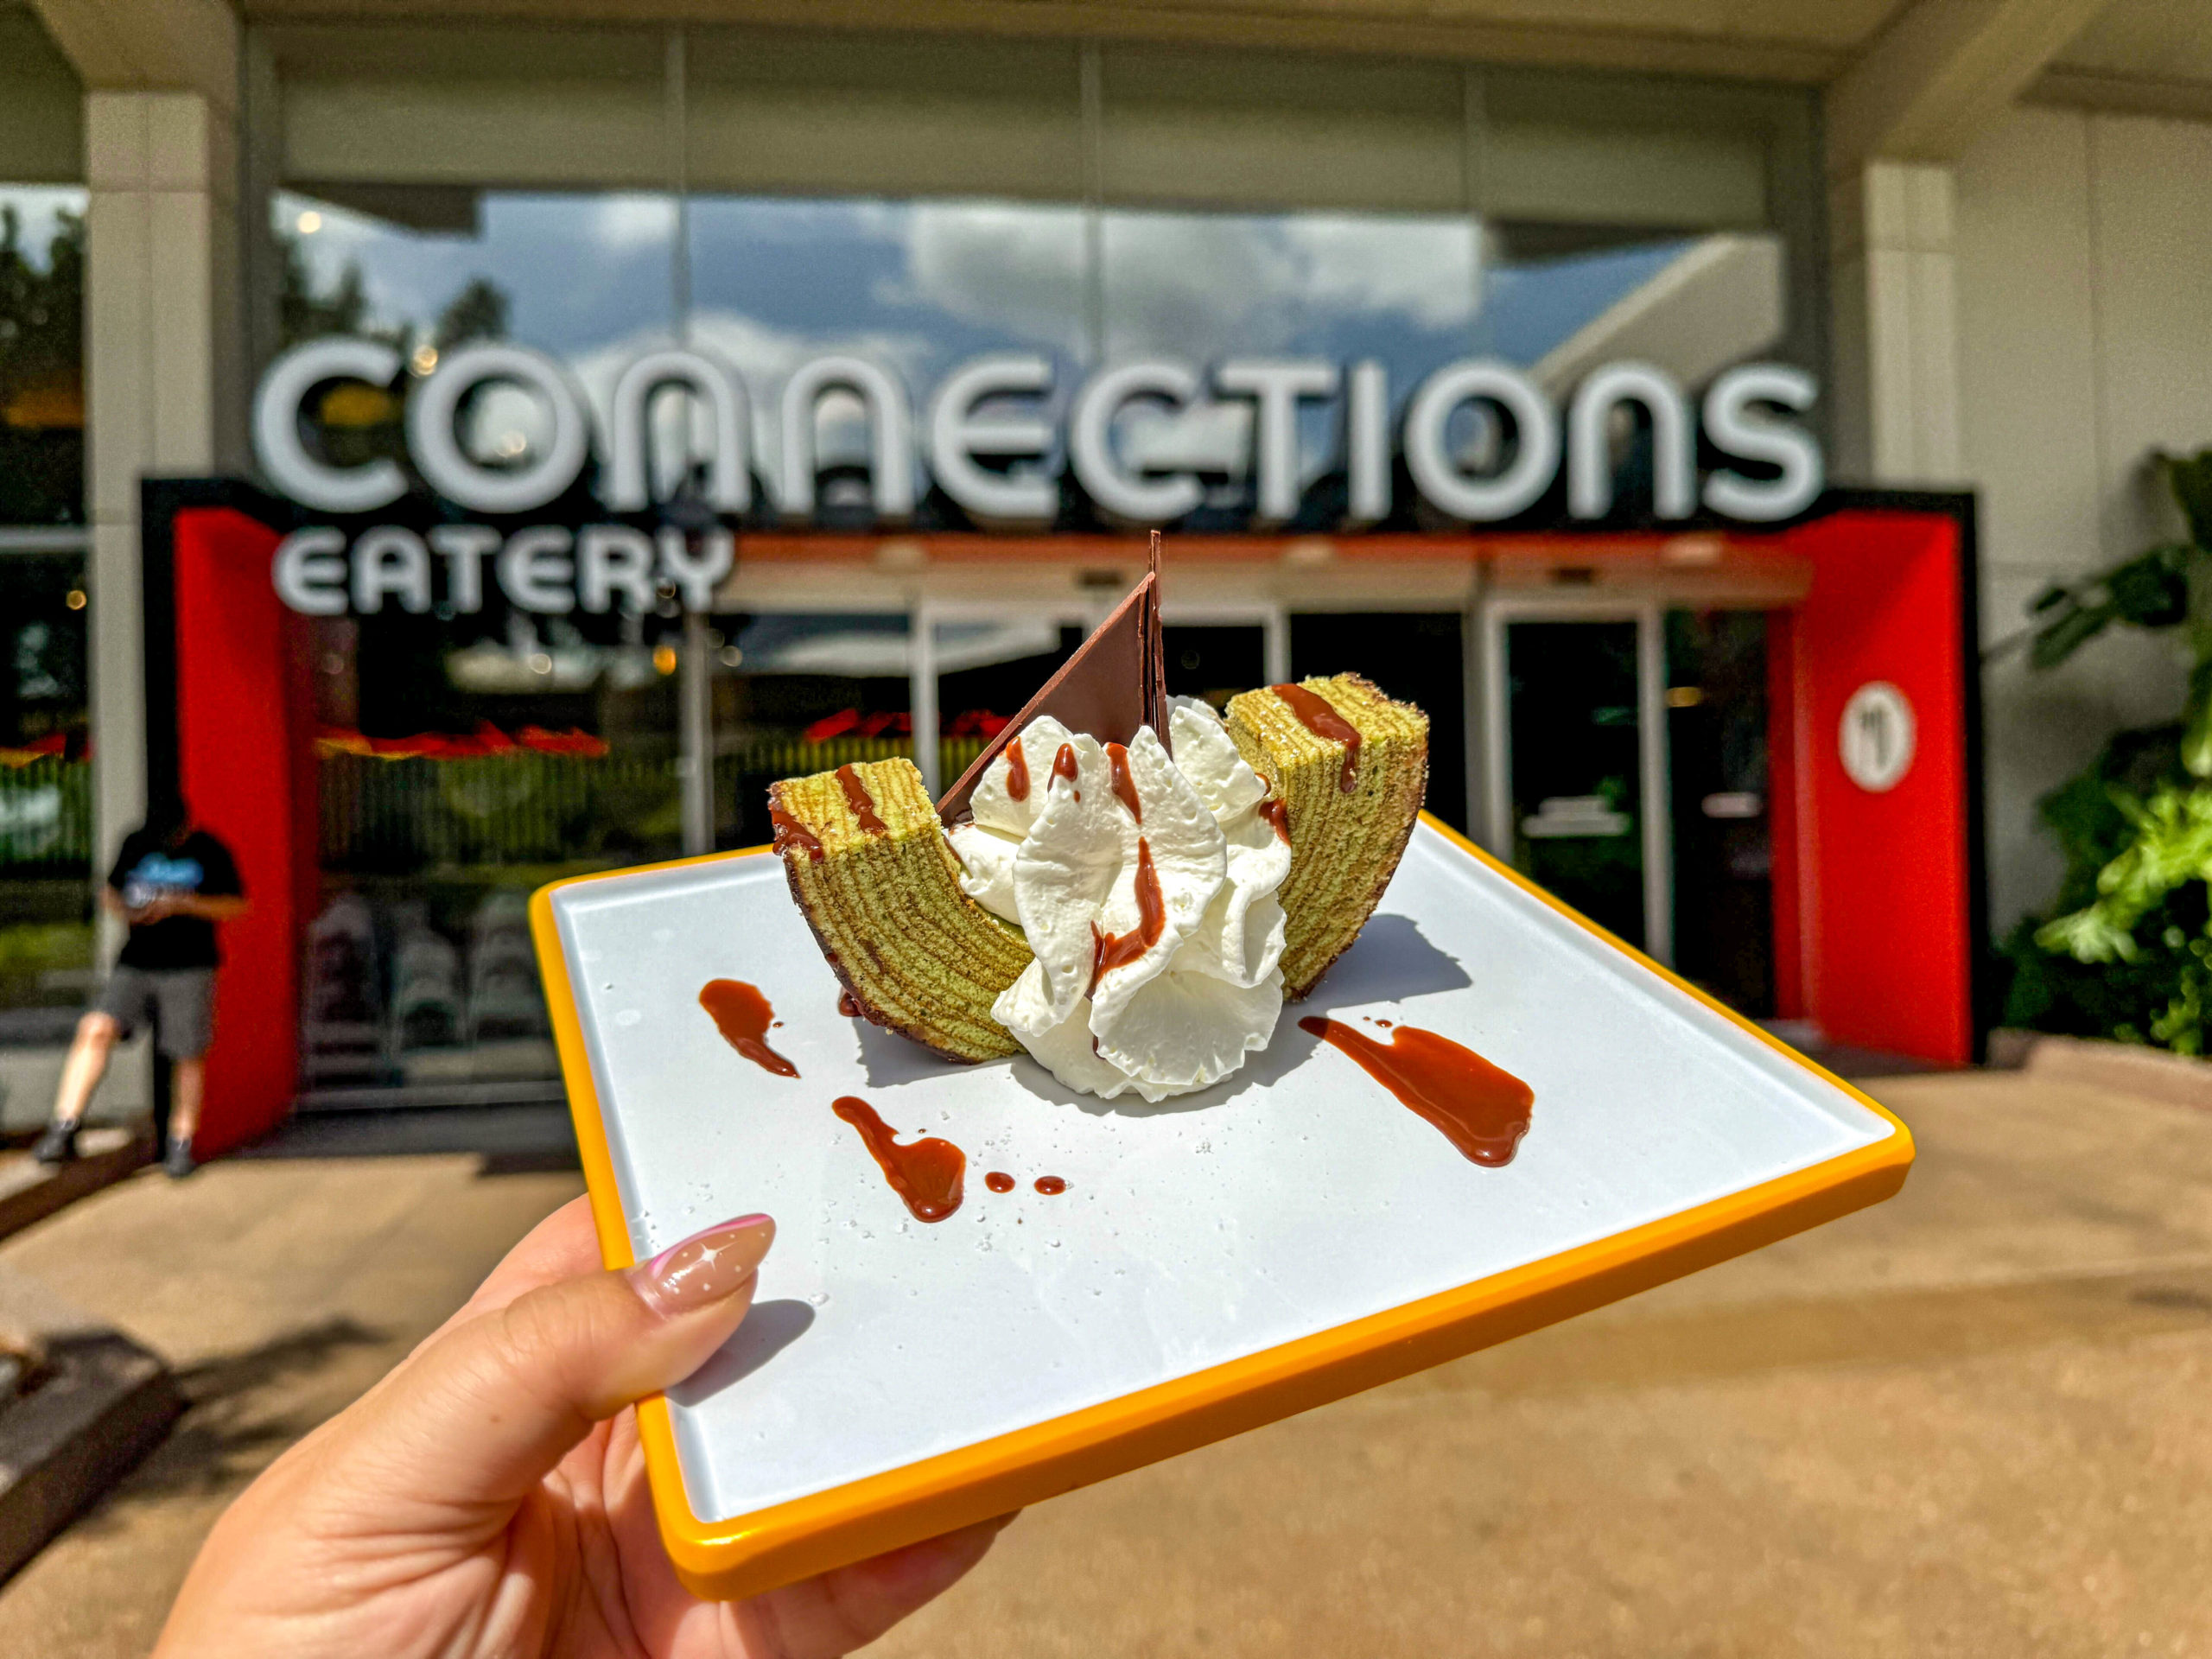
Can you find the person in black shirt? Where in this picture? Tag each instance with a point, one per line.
(172, 881)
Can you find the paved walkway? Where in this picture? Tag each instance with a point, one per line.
(1977, 1420)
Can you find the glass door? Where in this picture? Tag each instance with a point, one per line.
(1576, 763)
(1717, 724)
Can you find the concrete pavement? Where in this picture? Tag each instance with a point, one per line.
(1974, 1421)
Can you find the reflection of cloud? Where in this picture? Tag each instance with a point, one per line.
(631, 220)
(1202, 287)
(38, 209)
(1014, 268)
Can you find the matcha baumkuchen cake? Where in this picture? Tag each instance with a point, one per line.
(1123, 884)
(1351, 768)
(869, 865)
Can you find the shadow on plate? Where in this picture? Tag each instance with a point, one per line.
(770, 1328)
(1392, 961)
(890, 1060)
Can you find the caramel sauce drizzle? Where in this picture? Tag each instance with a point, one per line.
(1063, 766)
(790, 833)
(1482, 1109)
(1124, 786)
(1111, 950)
(1017, 771)
(742, 1013)
(1278, 817)
(857, 798)
(926, 1175)
(1318, 717)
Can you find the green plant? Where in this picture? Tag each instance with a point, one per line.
(2128, 952)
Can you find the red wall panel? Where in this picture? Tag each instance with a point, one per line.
(1886, 911)
(244, 733)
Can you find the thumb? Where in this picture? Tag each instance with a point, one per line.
(484, 1412)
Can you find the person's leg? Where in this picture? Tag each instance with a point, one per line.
(188, 1084)
(186, 1000)
(97, 1032)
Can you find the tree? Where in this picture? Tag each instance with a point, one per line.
(42, 374)
(478, 312)
(304, 313)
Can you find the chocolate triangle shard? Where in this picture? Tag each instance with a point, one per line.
(1115, 681)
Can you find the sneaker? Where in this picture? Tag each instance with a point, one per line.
(57, 1146)
(179, 1163)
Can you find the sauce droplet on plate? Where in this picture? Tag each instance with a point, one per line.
(1125, 786)
(863, 805)
(1482, 1109)
(925, 1175)
(1051, 1185)
(999, 1181)
(1063, 766)
(742, 1014)
(789, 832)
(1317, 715)
(1017, 773)
(1109, 950)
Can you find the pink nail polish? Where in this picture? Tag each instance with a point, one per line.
(706, 1268)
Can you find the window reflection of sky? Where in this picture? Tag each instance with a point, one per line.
(922, 286)
(928, 284)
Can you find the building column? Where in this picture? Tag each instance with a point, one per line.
(162, 362)
(1896, 343)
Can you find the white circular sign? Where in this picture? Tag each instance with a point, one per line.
(1878, 736)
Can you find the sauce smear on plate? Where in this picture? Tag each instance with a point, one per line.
(925, 1175)
(1482, 1109)
(741, 1015)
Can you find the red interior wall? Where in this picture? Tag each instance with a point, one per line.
(244, 733)
(1884, 909)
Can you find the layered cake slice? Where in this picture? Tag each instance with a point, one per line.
(1349, 768)
(868, 863)
(1124, 885)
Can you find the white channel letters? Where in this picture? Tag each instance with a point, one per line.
(986, 413)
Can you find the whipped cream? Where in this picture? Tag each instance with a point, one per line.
(1177, 898)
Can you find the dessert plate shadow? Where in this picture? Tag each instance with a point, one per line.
(1214, 1262)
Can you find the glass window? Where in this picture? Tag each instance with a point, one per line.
(466, 760)
(1334, 287)
(42, 354)
(1573, 734)
(46, 798)
(1717, 756)
(916, 286)
(798, 693)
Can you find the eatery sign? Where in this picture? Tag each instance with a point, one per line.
(992, 431)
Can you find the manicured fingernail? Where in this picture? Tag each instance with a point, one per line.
(705, 1267)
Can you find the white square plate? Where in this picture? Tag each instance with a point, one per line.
(1295, 1198)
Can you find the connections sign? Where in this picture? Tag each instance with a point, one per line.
(1000, 435)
